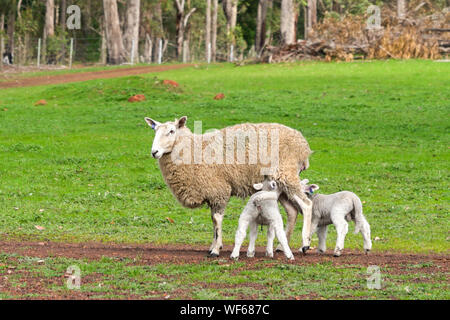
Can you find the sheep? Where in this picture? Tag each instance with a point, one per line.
(204, 177)
(262, 209)
(337, 209)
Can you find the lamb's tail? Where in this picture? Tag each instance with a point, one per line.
(360, 220)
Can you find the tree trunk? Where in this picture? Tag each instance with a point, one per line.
(401, 9)
(49, 27)
(310, 17)
(103, 48)
(261, 25)
(214, 30)
(62, 24)
(208, 29)
(230, 10)
(2, 28)
(288, 19)
(10, 32)
(180, 27)
(113, 34)
(148, 49)
(132, 28)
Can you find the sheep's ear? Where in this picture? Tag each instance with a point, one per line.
(312, 188)
(181, 122)
(304, 181)
(258, 186)
(152, 123)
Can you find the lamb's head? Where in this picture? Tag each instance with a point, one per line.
(309, 189)
(267, 185)
(165, 135)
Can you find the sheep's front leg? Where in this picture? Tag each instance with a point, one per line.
(306, 205)
(292, 214)
(270, 237)
(253, 235)
(217, 218)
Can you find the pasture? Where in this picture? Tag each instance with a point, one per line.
(78, 185)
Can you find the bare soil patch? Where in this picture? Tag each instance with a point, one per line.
(84, 76)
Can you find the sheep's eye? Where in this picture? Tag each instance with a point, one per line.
(171, 131)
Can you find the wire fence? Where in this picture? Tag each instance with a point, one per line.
(89, 51)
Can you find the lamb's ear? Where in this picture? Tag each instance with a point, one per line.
(181, 122)
(152, 123)
(258, 186)
(312, 188)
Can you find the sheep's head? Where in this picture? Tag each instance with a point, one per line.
(266, 185)
(165, 135)
(309, 189)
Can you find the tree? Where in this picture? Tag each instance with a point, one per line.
(214, 30)
(261, 24)
(288, 21)
(310, 16)
(401, 9)
(181, 24)
(230, 10)
(131, 31)
(49, 26)
(113, 34)
(208, 29)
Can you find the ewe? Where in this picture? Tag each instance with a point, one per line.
(262, 209)
(194, 168)
(337, 209)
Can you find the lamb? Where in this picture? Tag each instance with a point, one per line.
(337, 209)
(204, 177)
(262, 209)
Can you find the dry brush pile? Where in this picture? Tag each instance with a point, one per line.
(422, 33)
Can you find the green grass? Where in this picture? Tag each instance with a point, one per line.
(215, 279)
(81, 167)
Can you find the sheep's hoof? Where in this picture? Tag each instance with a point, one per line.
(337, 253)
(304, 249)
(268, 254)
(291, 258)
(236, 258)
(213, 255)
(367, 251)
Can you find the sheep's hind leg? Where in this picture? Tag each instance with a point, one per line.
(292, 213)
(217, 218)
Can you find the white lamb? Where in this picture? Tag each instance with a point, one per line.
(337, 209)
(262, 209)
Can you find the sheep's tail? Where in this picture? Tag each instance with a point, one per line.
(360, 220)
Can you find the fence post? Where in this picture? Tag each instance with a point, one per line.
(132, 51)
(160, 52)
(209, 52)
(71, 53)
(231, 54)
(39, 53)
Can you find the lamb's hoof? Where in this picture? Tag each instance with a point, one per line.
(291, 258)
(235, 258)
(367, 251)
(212, 255)
(337, 253)
(304, 249)
(250, 254)
(268, 254)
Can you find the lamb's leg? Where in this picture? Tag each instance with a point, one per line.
(322, 235)
(365, 231)
(292, 213)
(253, 235)
(341, 229)
(244, 221)
(217, 218)
(281, 236)
(270, 237)
(314, 225)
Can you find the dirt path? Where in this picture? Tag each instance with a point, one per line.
(150, 254)
(84, 76)
(181, 254)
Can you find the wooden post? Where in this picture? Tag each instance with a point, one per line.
(71, 53)
(231, 53)
(209, 52)
(39, 53)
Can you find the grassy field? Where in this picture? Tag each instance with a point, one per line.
(79, 169)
